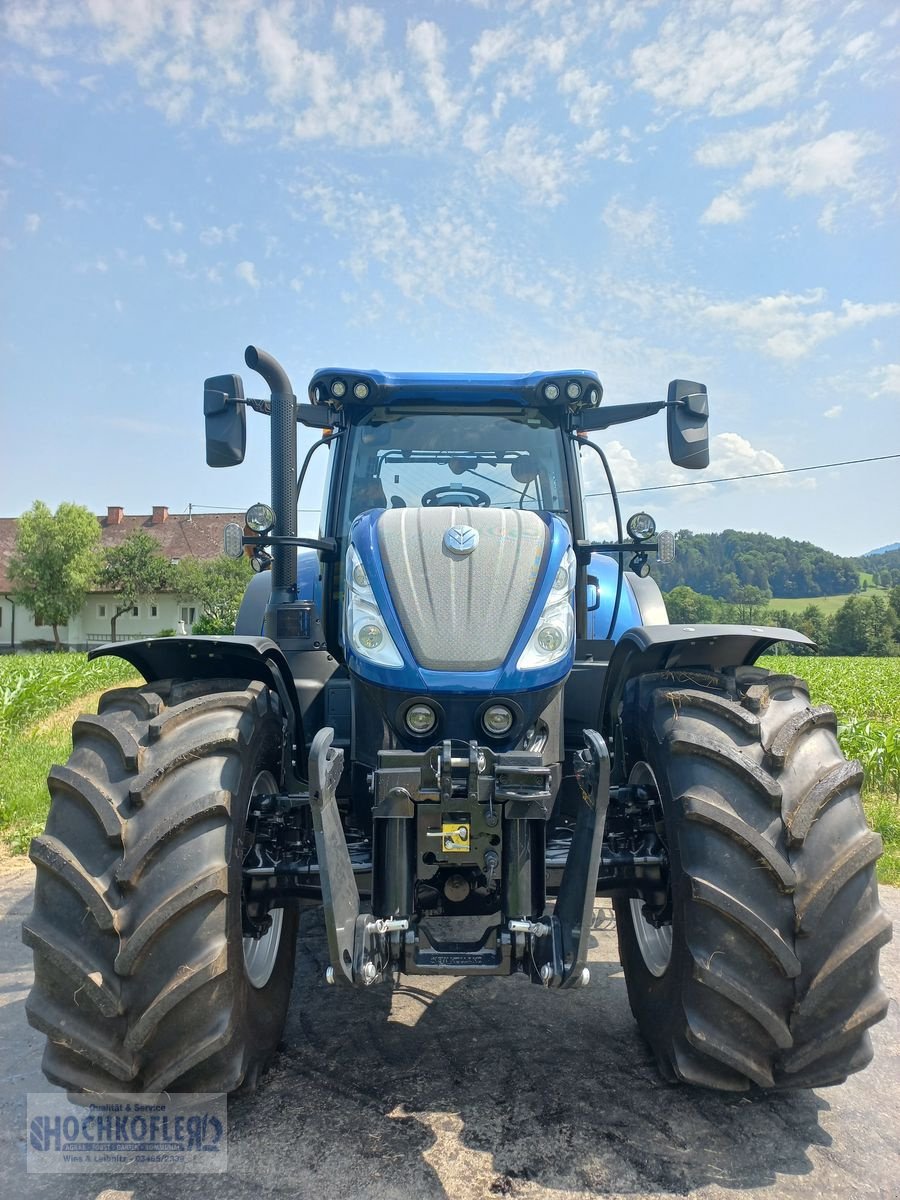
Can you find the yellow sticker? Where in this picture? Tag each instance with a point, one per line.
(455, 836)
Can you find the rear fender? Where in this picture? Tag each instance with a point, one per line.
(651, 648)
(221, 657)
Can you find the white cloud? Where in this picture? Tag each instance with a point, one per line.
(32, 223)
(492, 46)
(586, 99)
(642, 227)
(732, 454)
(476, 135)
(153, 223)
(834, 411)
(725, 210)
(279, 53)
(790, 326)
(796, 156)
(829, 163)
(529, 158)
(371, 110)
(214, 235)
(426, 42)
(246, 271)
(704, 57)
(362, 27)
(887, 380)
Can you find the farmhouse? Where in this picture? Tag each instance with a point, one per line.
(195, 535)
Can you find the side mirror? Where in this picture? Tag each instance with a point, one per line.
(688, 424)
(226, 420)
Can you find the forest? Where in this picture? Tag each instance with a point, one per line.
(723, 564)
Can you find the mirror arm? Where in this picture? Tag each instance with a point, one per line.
(317, 416)
(326, 546)
(618, 414)
(325, 441)
(584, 549)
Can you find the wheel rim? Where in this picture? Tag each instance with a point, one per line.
(260, 953)
(655, 944)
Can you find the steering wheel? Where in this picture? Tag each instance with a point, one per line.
(440, 496)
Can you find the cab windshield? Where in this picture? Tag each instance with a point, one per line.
(469, 459)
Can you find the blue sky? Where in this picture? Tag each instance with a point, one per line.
(704, 189)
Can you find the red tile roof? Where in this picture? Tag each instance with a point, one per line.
(197, 536)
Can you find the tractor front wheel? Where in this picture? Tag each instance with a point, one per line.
(144, 980)
(763, 966)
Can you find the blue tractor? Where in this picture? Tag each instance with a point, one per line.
(454, 720)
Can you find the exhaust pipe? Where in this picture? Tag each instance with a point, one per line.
(284, 472)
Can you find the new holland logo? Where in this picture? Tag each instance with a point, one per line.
(461, 539)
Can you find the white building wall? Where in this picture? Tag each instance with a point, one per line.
(92, 626)
(25, 628)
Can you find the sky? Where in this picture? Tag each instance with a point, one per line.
(705, 190)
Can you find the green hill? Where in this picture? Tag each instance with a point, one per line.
(721, 564)
(828, 604)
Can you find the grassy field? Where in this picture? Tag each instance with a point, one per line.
(828, 604)
(40, 696)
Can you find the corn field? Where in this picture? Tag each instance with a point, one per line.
(34, 685)
(865, 694)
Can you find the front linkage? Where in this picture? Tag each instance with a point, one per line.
(458, 864)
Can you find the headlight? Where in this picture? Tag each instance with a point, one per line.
(338, 388)
(420, 718)
(260, 517)
(640, 527)
(573, 390)
(555, 629)
(565, 573)
(497, 720)
(365, 630)
(360, 390)
(551, 391)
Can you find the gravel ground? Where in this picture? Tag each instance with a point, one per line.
(479, 1088)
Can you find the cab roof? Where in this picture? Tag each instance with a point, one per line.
(345, 387)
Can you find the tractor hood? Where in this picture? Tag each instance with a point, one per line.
(451, 599)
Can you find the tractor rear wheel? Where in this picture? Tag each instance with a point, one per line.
(763, 968)
(144, 980)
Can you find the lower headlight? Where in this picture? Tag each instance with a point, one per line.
(420, 718)
(552, 637)
(497, 719)
(365, 630)
(370, 636)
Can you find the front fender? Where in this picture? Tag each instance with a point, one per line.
(213, 658)
(649, 648)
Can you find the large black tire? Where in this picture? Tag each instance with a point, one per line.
(772, 976)
(140, 976)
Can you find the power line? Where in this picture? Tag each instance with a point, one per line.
(240, 508)
(665, 487)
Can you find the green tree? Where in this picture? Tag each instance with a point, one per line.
(750, 602)
(134, 569)
(687, 607)
(816, 625)
(54, 562)
(218, 586)
(863, 626)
